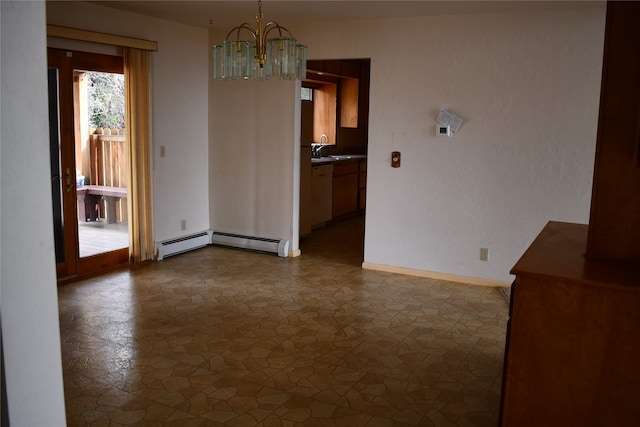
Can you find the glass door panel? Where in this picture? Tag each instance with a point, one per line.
(101, 162)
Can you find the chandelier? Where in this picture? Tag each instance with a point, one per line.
(259, 57)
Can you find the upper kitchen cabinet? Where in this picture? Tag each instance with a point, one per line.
(349, 97)
(614, 227)
(342, 108)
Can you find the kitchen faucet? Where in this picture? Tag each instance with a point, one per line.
(317, 148)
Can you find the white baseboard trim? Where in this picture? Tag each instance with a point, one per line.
(295, 253)
(435, 275)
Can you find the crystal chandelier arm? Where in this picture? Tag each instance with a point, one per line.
(275, 26)
(244, 26)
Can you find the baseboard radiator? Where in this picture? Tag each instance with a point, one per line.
(251, 243)
(180, 245)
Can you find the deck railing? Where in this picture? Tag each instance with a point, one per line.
(109, 164)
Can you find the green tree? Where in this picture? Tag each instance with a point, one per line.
(106, 99)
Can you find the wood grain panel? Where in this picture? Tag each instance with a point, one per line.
(573, 343)
(615, 205)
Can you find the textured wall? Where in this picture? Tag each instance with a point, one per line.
(254, 158)
(527, 84)
(30, 331)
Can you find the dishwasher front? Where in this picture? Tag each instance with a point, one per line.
(321, 194)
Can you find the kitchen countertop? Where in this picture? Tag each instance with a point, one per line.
(337, 158)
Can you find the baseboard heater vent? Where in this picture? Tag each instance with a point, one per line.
(251, 243)
(180, 245)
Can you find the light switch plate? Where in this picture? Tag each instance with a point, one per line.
(395, 159)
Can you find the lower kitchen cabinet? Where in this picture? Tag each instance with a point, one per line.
(345, 188)
(349, 187)
(362, 185)
(572, 356)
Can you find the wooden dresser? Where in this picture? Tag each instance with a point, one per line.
(573, 340)
(572, 356)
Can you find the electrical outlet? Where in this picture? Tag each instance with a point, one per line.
(183, 224)
(162, 152)
(484, 254)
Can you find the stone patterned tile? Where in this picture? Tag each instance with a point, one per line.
(231, 338)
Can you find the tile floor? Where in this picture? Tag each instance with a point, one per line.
(224, 337)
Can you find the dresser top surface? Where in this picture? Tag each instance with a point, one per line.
(559, 252)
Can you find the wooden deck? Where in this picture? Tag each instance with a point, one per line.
(99, 236)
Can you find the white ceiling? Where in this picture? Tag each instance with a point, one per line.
(227, 14)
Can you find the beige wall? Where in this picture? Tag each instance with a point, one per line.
(527, 82)
(29, 298)
(254, 158)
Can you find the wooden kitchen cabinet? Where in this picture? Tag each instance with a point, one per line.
(349, 187)
(573, 340)
(362, 184)
(345, 188)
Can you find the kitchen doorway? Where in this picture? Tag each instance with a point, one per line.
(334, 136)
(340, 242)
